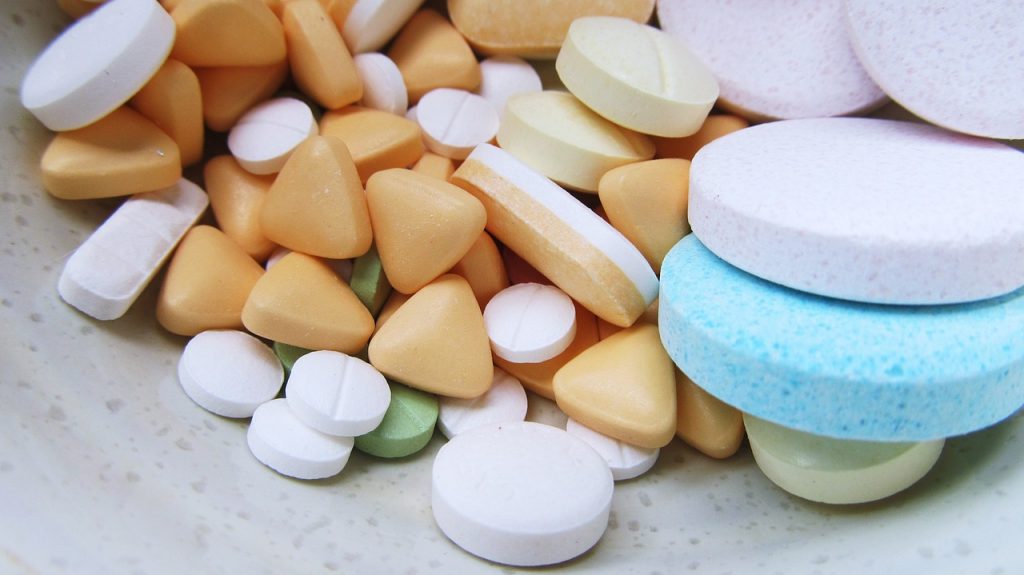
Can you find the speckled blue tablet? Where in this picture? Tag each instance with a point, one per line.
(838, 368)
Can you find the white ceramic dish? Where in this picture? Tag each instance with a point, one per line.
(107, 467)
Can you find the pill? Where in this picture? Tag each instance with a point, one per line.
(636, 76)
(105, 275)
(236, 198)
(229, 372)
(521, 494)
(455, 121)
(171, 100)
(337, 394)
(317, 205)
(338, 10)
(540, 409)
(265, 136)
(715, 126)
(431, 53)
(519, 271)
(321, 65)
(530, 323)
(230, 92)
(504, 402)
(436, 341)
(97, 63)
(422, 226)
(555, 134)
(123, 153)
(377, 140)
(625, 461)
(532, 28)
(880, 215)
(704, 422)
(383, 86)
(590, 388)
(283, 443)
(483, 268)
(502, 77)
(371, 23)
(966, 49)
(837, 368)
(434, 165)
(775, 62)
(407, 426)
(564, 239)
(288, 355)
(838, 471)
(394, 301)
(341, 268)
(207, 283)
(369, 282)
(215, 33)
(302, 302)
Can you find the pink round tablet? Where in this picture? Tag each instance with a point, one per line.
(775, 60)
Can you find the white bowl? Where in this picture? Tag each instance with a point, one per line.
(107, 467)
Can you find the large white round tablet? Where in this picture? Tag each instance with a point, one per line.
(337, 394)
(283, 443)
(775, 60)
(839, 471)
(98, 63)
(522, 494)
(229, 372)
(502, 77)
(383, 85)
(504, 402)
(626, 461)
(862, 209)
(263, 139)
(956, 64)
(455, 121)
(530, 323)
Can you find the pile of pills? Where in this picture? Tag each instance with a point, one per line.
(418, 236)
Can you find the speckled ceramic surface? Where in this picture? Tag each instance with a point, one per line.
(107, 467)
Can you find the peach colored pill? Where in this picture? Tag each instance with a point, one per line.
(377, 140)
(236, 199)
(715, 126)
(705, 422)
(431, 53)
(230, 92)
(172, 100)
(483, 268)
(227, 33)
(320, 63)
(435, 166)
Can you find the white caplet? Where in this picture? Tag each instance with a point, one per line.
(229, 372)
(383, 85)
(530, 322)
(455, 121)
(626, 461)
(266, 135)
(337, 394)
(504, 402)
(283, 443)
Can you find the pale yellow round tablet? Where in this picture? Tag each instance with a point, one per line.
(636, 76)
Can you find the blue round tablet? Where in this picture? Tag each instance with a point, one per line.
(840, 368)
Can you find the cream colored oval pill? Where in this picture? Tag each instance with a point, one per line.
(455, 121)
(530, 323)
(383, 86)
(337, 394)
(636, 76)
(266, 135)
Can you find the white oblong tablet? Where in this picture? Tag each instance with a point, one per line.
(383, 86)
(504, 402)
(502, 77)
(626, 461)
(264, 138)
(521, 494)
(955, 64)
(862, 209)
(530, 323)
(455, 121)
(337, 394)
(774, 61)
(285, 444)
(371, 23)
(838, 471)
(109, 270)
(229, 372)
(98, 63)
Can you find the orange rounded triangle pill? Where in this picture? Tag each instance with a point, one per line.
(227, 33)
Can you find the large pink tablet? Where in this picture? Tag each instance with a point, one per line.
(863, 209)
(957, 64)
(775, 60)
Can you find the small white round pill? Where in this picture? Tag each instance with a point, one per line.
(454, 122)
(337, 394)
(530, 323)
(504, 402)
(266, 135)
(283, 443)
(626, 461)
(229, 372)
(502, 77)
(522, 493)
(383, 86)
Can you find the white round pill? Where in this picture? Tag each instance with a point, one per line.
(502, 77)
(626, 461)
(383, 86)
(337, 394)
(504, 402)
(530, 323)
(98, 63)
(521, 494)
(283, 443)
(266, 135)
(838, 471)
(455, 121)
(229, 372)
(540, 409)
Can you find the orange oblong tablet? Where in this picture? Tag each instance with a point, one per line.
(172, 100)
(227, 33)
(321, 64)
(431, 53)
(377, 140)
(229, 92)
(236, 199)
